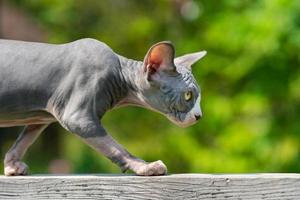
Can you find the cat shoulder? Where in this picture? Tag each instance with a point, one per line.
(90, 45)
(94, 52)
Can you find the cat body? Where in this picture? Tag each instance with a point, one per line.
(76, 83)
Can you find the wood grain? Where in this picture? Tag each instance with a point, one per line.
(179, 186)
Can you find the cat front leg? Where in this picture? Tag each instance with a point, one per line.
(95, 135)
(117, 154)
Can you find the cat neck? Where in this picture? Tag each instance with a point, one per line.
(133, 73)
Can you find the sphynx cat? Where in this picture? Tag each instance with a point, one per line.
(76, 83)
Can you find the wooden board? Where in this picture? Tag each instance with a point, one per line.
(178, 186)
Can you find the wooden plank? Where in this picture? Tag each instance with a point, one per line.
(178, 186)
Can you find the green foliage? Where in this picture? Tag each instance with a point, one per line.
(250, 80)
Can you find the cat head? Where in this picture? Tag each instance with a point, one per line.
(172, 89)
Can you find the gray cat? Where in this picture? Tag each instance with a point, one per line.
(76, 83)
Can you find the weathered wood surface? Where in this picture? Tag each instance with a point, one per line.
(179, 186)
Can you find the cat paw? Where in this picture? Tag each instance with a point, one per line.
(15, 168)
(152, 169)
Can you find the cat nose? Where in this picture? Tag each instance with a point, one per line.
(197, 117)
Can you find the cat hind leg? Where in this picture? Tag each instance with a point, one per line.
(13, 165)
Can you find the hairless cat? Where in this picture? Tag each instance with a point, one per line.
(76, 83)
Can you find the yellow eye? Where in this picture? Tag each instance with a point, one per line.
(188, 95)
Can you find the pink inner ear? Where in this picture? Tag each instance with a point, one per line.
(156, 56)
(160, 56)
(154, 61)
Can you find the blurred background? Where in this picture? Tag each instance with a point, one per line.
(250, 81)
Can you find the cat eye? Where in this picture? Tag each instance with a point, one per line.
(188, 95)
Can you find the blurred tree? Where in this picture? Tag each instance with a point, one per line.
(250, 80)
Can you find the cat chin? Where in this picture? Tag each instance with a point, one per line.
(181, 124)
(184, 125)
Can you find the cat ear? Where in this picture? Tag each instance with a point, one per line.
(188, 60)
(160, 57)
